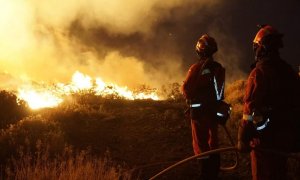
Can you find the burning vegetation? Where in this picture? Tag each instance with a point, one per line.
(43, 96)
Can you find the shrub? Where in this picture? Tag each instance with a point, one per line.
(11, 109)
(234, 94)
(172, 92)
(27, 132)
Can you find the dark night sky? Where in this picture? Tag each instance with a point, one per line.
(283, 15)
(238, 19)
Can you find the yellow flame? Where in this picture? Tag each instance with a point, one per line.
(48, 97)
(38, 100)
(81, 81)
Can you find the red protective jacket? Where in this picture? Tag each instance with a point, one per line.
(272, 85)
(204, 82)
(273, 88)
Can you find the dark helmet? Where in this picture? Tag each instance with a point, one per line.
(206, 46)
(267, 39)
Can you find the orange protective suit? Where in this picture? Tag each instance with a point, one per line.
(203, 86)
(273, 92)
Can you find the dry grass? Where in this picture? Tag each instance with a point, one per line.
(67, 166)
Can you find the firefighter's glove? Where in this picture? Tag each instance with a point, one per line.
(246, 133)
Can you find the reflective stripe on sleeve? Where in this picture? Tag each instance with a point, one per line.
(220, 114)
(263, 126)
(247, 117)
(195, 105)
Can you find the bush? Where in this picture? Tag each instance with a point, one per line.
(234, 94)
(172, 92)
(11, 109)
(27, 132)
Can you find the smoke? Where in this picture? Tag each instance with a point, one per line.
(125, 42)
(228, 54)
(129, 42)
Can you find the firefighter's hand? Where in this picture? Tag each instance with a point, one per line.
(254, 142)
(246, 134)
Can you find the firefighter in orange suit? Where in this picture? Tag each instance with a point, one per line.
(202, 88)
(270, 103)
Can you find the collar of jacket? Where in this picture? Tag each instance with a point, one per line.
(269, 58)
(208, 59)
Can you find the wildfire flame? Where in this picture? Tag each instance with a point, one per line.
(51, 97)
(38, 100)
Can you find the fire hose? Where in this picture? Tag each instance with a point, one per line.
(212, 152)
(192, 158)
(204, 154)
(219, 151)
(226, 149)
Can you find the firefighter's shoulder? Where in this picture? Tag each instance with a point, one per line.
(195, 67)
(256, 72)
(218, 65)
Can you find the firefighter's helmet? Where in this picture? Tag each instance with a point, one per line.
(206, 46)
(267, 38)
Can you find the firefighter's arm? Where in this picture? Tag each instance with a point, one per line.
(255, 91)
(255, 94)
(187, 89)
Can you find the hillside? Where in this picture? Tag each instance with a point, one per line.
(138, 137)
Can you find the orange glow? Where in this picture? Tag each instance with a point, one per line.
(52, 97)
(81, 81)
(37, 100)
(41, 41)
